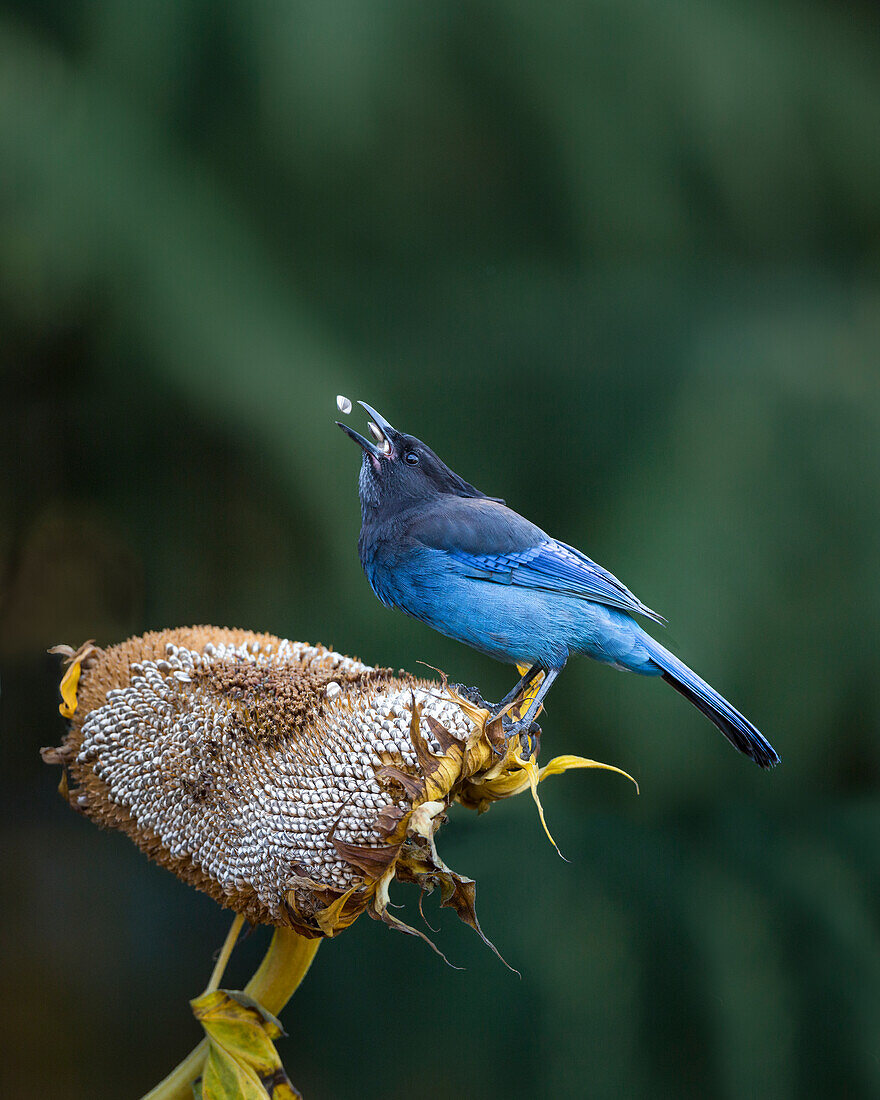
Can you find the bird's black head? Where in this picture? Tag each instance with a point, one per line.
(399, 471)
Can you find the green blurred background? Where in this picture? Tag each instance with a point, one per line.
(618, 263)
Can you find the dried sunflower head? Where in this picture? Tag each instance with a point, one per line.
(287, 781)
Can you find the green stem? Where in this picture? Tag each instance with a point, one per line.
(283, 967)
(225, 951)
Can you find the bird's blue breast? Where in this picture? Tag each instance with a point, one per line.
(514, 624)
(478, 572)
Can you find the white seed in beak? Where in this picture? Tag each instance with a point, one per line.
(343, 404)
(375, 432)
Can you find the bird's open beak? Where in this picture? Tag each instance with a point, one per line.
(371, 448)
(380, 428)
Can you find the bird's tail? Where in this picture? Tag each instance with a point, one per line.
(738, 730)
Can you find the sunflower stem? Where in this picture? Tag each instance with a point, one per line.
(284, 966)
(225, 951)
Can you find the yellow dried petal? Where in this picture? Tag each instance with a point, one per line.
(68, 686)
(530, 770)
(560, 764)
(557, 766)
(334, 918)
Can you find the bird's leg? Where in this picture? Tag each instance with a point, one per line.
(524, 682)
(523, 725)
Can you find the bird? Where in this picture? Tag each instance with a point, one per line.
(438, 549)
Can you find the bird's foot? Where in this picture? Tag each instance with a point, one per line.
(529, 735)
(472, 695)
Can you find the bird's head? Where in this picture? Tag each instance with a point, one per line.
(399, 470)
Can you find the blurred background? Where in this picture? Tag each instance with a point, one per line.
(618, 263)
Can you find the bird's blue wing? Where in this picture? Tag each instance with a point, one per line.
(557, 567)
(494, 543)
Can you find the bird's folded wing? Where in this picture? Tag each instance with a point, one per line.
(493, 543)
(557, 567)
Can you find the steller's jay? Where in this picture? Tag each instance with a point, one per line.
(442, 551)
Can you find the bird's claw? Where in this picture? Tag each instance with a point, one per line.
(529, 736)
(472, 695)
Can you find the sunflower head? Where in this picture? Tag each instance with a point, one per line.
(289, 782)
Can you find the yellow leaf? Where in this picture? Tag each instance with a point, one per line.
(242, 1060)
(225, 1078)
(234, 1004)
(280, 1088)
(239, 1028)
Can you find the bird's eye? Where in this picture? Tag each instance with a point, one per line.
(411, 458)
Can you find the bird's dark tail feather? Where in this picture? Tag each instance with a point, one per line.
(738, 730)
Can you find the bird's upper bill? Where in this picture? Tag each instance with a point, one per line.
(383, 433)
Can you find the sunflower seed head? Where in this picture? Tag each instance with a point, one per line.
(243, 762)
(287, 781)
